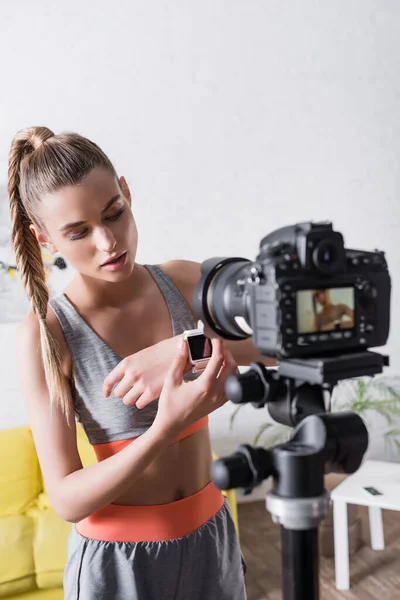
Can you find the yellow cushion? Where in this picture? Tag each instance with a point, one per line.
(20, 477)
(50, 548)
(17, 569)
(85, 450)
(54, 594)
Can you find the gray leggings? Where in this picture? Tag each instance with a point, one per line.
(207, 564)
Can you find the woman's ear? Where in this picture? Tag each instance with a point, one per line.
(42, 239)
(125, 190)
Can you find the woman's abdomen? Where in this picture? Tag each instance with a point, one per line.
(181, 471)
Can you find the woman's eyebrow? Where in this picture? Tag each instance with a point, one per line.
(78, 223)
(111, 202)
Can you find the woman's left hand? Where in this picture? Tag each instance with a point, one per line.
(141, 376)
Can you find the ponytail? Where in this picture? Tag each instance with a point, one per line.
(30, 264)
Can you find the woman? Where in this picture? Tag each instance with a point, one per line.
(330, 317)
(149, 524)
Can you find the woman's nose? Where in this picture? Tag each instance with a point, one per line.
(105, 241)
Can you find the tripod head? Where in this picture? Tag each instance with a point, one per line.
(321, 442)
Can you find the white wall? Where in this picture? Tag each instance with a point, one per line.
(229, 119)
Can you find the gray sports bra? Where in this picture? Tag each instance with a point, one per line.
(108, 419)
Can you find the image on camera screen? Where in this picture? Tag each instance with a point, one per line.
(329, 309)
(200, 347)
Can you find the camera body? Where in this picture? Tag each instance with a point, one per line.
(306, 295)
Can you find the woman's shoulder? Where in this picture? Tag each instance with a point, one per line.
(184, 273)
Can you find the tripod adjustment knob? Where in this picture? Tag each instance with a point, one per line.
(246, 468)
(247, 387)
(257, 386)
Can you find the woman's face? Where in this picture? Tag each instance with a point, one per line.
(322, 297)
(91, 223)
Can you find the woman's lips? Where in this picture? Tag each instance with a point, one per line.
(115, 263)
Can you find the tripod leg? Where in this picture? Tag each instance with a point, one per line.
(341, 538)
(300, 564)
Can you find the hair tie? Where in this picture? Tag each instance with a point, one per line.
(37, 139)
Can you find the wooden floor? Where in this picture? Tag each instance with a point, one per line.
(373, 575)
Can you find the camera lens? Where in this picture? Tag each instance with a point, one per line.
(220, 299)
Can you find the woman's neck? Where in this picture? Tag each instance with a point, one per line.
(97, 293)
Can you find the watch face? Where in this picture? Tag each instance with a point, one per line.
(200, 347)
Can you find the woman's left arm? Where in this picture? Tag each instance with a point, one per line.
(140, 377)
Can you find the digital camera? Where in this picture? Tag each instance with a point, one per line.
(306, 295)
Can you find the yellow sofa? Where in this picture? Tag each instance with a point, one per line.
(33, 539)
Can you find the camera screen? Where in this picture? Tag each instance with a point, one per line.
(199, 346)
(329, 309)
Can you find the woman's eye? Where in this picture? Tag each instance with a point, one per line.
(116, 216)
(81, 234)
(78, 236)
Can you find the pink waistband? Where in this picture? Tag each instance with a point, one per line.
(108, 449)
(154, 523)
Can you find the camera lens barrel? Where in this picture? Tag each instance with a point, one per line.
(220, 298)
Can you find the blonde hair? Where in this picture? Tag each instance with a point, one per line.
(41, 162)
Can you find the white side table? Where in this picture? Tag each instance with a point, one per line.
(383, 476)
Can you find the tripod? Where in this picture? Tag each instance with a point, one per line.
(321, 443)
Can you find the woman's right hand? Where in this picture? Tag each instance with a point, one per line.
(181, 403)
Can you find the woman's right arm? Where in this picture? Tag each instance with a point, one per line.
(76, 492)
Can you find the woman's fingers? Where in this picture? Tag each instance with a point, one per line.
(127, 383)
(132, 395)
(229, 368)
(113, 377)
(179, 364)
(220, 367)
(145, 398)
(215, 363)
